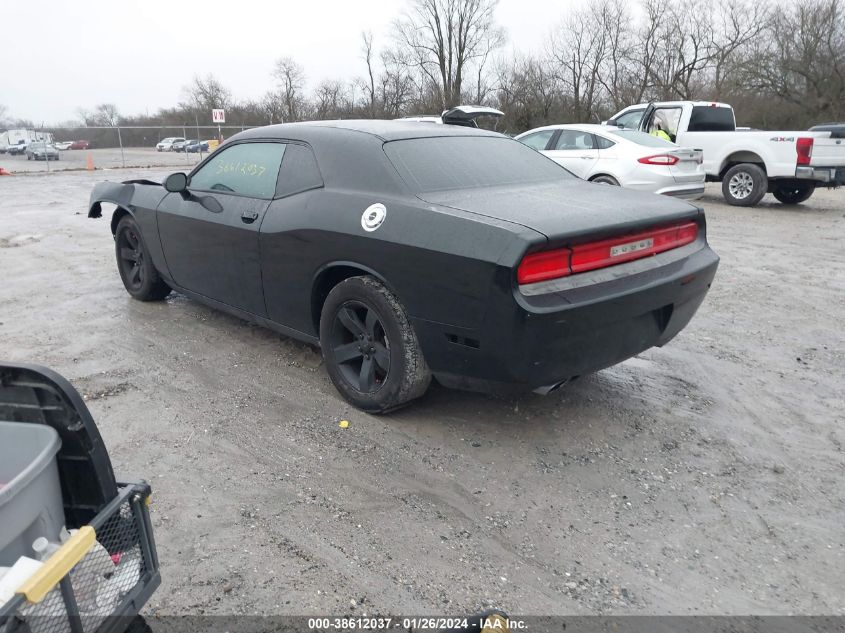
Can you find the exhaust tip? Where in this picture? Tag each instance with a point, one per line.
(547, 389)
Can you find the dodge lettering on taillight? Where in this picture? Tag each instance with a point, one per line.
(631, 247)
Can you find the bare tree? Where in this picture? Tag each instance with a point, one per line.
(106, 114)
(204, 94)
(801, 59)
(617, 75)
(446, 37)
(273, 106)
(369, 85)
(578, 53)
(529, 92)
(330, 100)
(397, 85)
(738, 23)
(291, 81)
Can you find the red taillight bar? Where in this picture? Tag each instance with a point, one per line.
(561, 262)
(804, 147)
(543, 266)
(601, 254)
(660, 159)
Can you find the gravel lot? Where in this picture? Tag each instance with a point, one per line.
(704, 477)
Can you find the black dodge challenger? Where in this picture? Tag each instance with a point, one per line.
(410, 250)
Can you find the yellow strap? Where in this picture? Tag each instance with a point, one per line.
(58, 565)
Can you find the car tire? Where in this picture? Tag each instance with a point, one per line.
(744, 185)
(371, 351)
(139, 275)
(792, 191)
(604, 179)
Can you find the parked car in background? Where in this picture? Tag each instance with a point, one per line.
(166, 144)
(629, 158)
(18, 148)
(196, 146)
(80, 144)
(63, 145)
(837, 130)
(4, 148)
(464, 115)
(181, 144)
(748, 163)
(39, 150)
(408, 251)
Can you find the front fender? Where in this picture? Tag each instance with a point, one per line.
(140, 199)
(125, 195)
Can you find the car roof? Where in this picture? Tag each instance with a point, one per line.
(717, 104)
(583, 127)
(382, 129)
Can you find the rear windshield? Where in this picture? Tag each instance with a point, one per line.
(460, 162)
(641, 138)
(711, 119)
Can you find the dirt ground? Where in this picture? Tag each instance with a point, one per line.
(704, 477)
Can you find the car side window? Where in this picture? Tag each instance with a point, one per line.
(666, 119)
(248, 169)
(538, 140)
(630, 120)
(574, 140)
(299, 171)
(603, 143)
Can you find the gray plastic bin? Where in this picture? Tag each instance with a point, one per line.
(30, 492)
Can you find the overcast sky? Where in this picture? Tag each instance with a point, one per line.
(59, 56)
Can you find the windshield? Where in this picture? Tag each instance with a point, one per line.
(641, 138)
(460, 162)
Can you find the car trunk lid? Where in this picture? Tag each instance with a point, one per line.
(466, 114)
(688, 168)
(568, 209)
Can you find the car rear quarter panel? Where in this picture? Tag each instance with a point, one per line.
(442, 265)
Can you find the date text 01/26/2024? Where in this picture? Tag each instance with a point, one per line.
(428, 623)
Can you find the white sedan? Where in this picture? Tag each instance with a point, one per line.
(623, 157)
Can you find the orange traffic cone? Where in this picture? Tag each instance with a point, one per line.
(3, 172)
(90, 165)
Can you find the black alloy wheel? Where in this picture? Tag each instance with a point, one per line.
(136, 268)
(131, 258)
(361, 347)
(370, 348)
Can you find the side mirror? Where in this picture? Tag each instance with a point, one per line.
(176, 183)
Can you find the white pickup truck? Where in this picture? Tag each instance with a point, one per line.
(748, 163)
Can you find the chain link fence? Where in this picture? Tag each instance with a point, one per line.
(131, 146)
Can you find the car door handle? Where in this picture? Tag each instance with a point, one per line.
(249, 217)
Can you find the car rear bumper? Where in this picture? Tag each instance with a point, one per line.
(598, 320)
(686, 191)
(829, 175)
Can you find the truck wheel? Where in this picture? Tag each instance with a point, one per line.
(371, 352)
(793, 192)
(744, 185)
